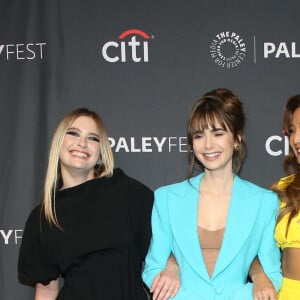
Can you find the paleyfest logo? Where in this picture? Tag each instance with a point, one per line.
(228, 49)
(132, 46)
(21, 51)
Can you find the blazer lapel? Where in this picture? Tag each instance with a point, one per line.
(241, 218)
(183, 219)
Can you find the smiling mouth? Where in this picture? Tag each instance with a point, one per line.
(211, 155)
(79, 154)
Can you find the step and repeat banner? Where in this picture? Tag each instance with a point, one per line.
(140, 65)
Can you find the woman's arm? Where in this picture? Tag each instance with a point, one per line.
(269, 253)
(46, 292)
(161, 243)
(166, 284)
(262, 285)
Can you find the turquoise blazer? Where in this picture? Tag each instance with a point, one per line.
(249, 232)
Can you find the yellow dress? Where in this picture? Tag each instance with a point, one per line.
(290, 289)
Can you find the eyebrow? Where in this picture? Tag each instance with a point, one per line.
(210, 129)
(218, 128)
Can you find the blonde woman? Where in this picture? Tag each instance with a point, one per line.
(93, 225)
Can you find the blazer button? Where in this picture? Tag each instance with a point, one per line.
(219, 290)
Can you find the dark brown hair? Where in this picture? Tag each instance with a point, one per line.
(224, 107)
(291, 193)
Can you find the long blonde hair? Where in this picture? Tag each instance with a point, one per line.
(53, 180)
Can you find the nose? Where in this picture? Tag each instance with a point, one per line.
(81, 142)
(208, 141)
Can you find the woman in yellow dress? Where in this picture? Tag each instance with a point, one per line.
(287, 232)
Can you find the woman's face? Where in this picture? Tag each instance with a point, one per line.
(214, 148)
(80, 149)
(294, 133)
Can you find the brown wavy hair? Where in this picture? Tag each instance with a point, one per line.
(225, 107)
(290, 194)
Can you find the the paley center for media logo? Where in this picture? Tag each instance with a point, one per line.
(131, 46)
(228, 49)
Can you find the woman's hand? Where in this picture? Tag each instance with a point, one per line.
(263, 288)
(46, 292)
(167, 283)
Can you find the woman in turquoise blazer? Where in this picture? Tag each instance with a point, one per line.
(217, 198)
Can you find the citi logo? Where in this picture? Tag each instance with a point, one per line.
(133, 45)
(277, 145)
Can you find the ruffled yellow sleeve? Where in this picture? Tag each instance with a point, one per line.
(292, 240)
(284, 182)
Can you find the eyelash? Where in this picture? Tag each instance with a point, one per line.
(76, 134)
(199, 135)
(94, 139)
(196, 135)
(219, 133)
(73, 133)
(290, 132)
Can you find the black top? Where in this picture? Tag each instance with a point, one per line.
(105, 237)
